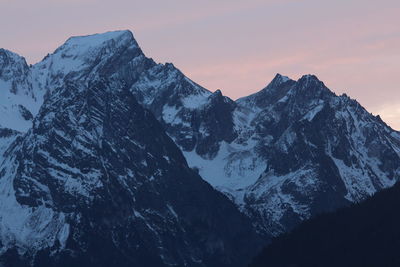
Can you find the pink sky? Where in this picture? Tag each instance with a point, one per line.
(235, 46)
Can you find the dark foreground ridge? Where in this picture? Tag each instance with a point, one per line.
(366, 234)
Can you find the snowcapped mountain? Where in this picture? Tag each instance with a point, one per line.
(321, 151)
(290, 151)
(282, 155)
(82, 58)
(94, 180)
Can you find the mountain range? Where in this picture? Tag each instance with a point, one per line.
(98, 138)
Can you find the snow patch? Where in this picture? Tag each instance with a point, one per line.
(28, 229)
(233, 169)
(311, 114)
(169, 114)
(194, 101)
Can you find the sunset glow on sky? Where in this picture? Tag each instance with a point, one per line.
(236, 46)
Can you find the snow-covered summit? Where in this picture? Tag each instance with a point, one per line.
(77, 49)
(81, 56)
(98, 39)
(22, 87)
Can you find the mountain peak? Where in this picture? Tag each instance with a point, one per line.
(218, 92)
(267, 93)
(101, 38)
(313, 87)
(81, 55)
(278, 80)
(82, 45)
(13, 69)
(5, 52)
(281, 77)
(309, 78)
(8, 57)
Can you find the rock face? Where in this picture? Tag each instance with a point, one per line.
(96, 181)
(282, 155)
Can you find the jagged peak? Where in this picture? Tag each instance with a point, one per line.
(218, 92)
(9, 57)
(274, 84)
(7, 52)
(313, 87)
(12, 66)
(218, 96)
(279, 79)
(309, 78)
(170, 65)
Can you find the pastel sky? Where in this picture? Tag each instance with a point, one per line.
(235, 46)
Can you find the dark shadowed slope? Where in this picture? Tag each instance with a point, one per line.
(366, 234)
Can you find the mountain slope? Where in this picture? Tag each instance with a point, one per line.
(19, 95)
(97, 182)
(366, 234)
